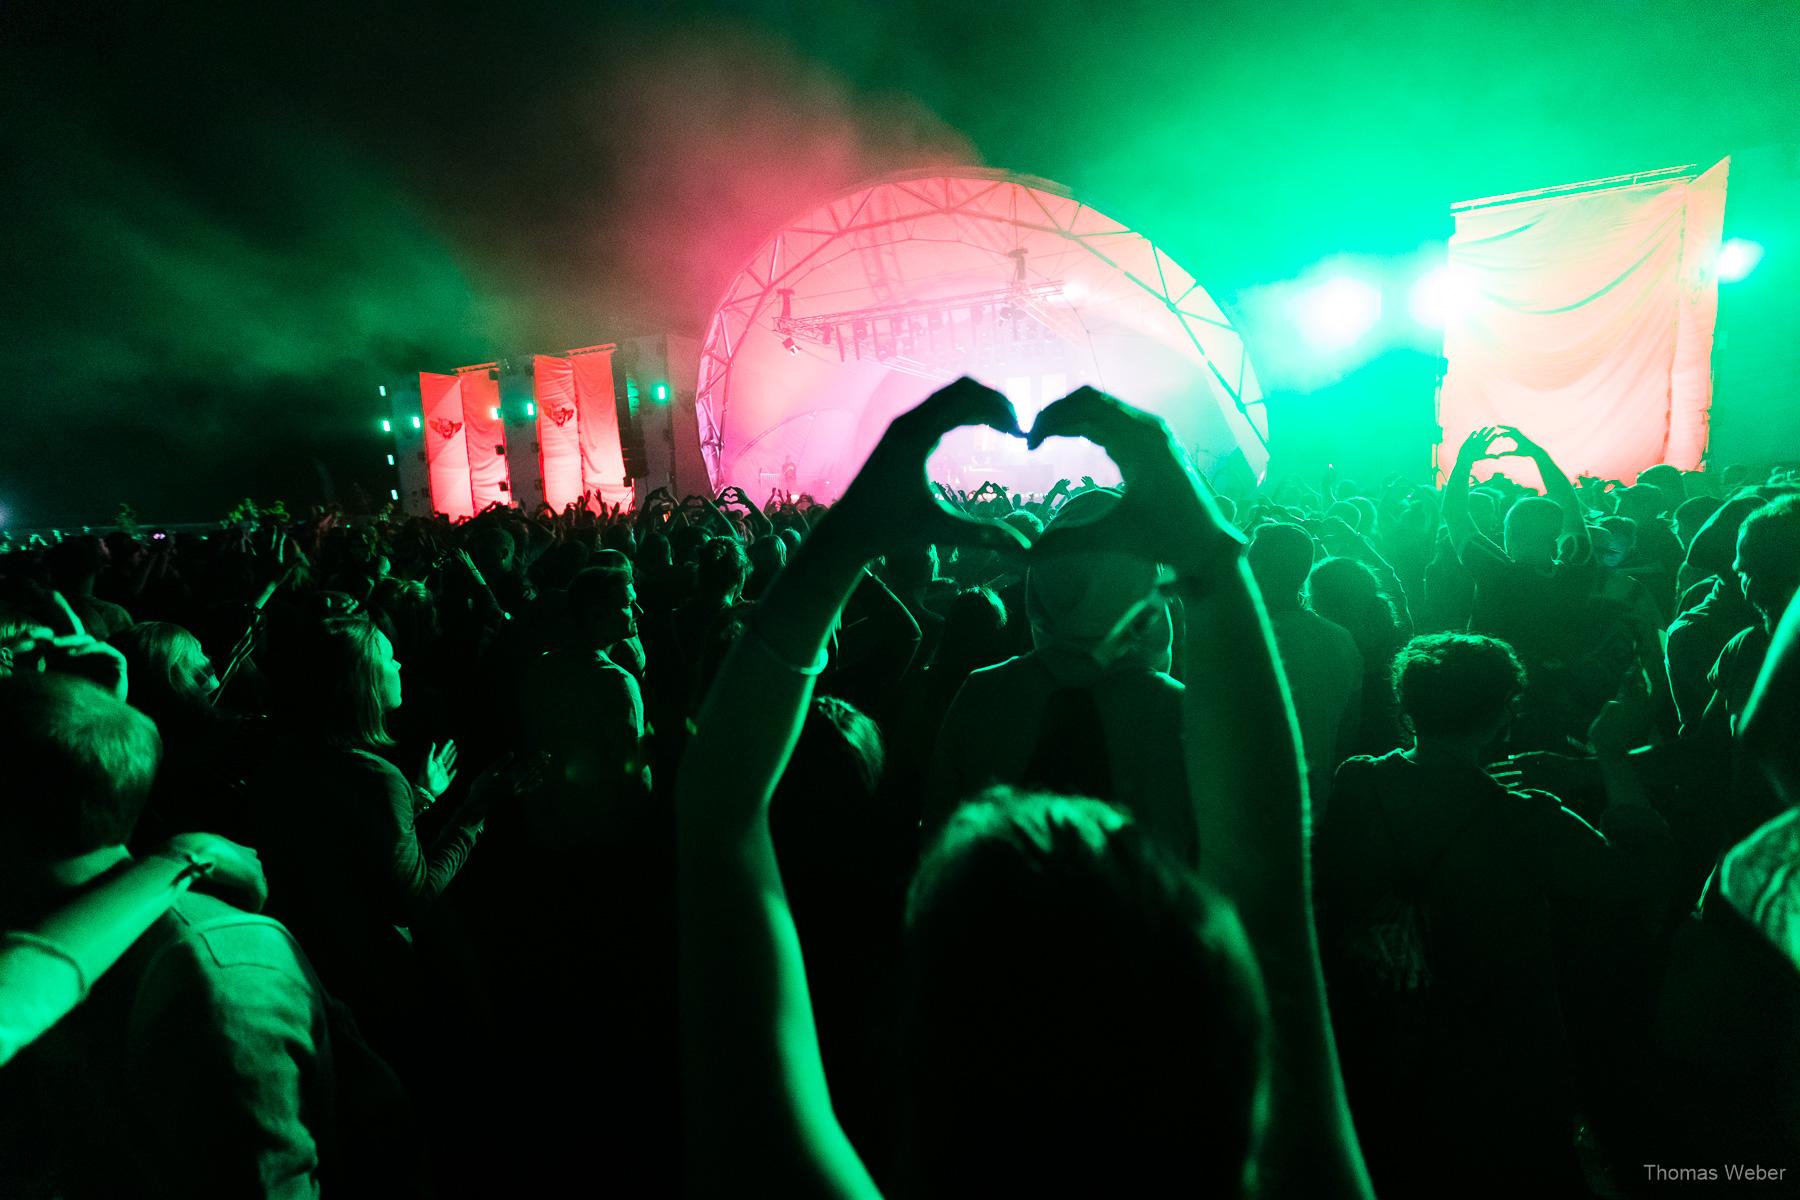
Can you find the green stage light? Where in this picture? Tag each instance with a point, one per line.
(1737, 258)
(530, 409)
(387, 426)
(417, 423)
(662, 391)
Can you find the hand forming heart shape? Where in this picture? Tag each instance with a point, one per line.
(1166, 515)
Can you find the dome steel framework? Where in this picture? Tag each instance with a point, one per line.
(855, 311)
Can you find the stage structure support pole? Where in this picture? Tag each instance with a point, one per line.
(654, 381)
(413, 476)
(518, 414)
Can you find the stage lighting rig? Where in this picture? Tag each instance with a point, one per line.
(938, 339)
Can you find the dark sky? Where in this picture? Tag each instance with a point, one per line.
(228, 222)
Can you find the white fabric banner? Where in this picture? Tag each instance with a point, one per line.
(1586, 320)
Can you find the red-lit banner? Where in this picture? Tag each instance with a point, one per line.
(487, 437)
(446, 444)
(602, 460)
(558, 430)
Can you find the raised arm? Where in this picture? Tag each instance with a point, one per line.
(487, 606)
(1456, 487)
(755, 1089)
(716, 519)
(1556, 487)
(760, 525)
(1773, 714)
(1245, 775)
(879, 639)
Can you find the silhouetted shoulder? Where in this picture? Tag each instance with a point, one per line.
(220, 937)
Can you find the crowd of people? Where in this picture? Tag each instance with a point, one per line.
(1326, 839)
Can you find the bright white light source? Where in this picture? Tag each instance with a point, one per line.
(1737, 258)
(1439, 295)
(1017, 388)
(393, 493)
(1338, 312)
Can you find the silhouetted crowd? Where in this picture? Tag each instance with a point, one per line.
(1141, 840)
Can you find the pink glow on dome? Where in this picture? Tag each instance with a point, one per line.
(862, 307)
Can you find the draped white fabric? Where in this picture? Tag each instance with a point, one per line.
(1586, 320)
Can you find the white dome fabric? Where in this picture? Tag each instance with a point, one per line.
(865, 305)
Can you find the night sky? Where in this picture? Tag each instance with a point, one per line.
(227, 223)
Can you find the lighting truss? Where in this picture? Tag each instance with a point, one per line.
(853, 225)
(939, 339)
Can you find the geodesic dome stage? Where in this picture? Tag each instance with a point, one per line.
(860, 308)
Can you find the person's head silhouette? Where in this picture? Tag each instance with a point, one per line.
(1281, 556)
(1085, 1018)
(1457, 691)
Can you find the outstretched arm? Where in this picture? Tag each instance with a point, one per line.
(755, 1086)
(760, 525)
(46, 971)
(1773, 714)
(1244, 772)
(1558, 488)
(1456, 487)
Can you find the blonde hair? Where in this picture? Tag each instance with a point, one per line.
(158, 650)
(340, 688)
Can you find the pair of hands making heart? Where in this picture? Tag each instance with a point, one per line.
(1479, 446)
(1166, 515)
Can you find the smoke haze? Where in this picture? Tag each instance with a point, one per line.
(228, 225)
